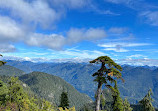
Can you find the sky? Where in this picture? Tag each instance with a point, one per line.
(79, 30)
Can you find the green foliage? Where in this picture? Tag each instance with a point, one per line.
(13, 98)
(126, 105)
(3, 93)
(146, 102)
(47, 106)
(65, 109)
(64, 101)
(118, 103)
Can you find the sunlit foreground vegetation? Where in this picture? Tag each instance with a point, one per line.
(14, 98)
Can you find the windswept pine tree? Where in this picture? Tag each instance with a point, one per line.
(105, 75)
(146, 102)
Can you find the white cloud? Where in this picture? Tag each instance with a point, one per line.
(37, 11)
(119, 1)
(122, 44)
(52, 41)
(150, 17)
(4, 48)
(75, 35)
(139, 62)
(118, 30)
(117, 46)
(70, 3)
(27, 58)
(10, 30)
(136, 56)
(82, 53)
(116, 50)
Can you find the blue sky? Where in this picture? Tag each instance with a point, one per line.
(78, 30)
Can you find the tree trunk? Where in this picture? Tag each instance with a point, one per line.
(97, 107)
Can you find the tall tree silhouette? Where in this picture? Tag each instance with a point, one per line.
(105, 75)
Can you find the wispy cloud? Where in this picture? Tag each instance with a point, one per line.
(139, 62)
(136, 56)
(118, 30)
(70, 3)
(150, 17)
(5, 48)
(148, 12)
(116, 49)
(82, 53)
(122, 44)
(120, 1)
(119, 46)
(106, 12)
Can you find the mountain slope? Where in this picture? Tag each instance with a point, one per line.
(10, 71)
(50, 87)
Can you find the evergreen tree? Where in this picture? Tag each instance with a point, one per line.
(64, 102)
(118, 103)
(105, 74)
(146, 102)
(126, 105)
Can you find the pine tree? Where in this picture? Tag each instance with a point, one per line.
(126, 105)
(105, 74)
(146, 102)
(64, 102)
(118, 103)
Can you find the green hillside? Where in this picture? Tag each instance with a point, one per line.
(10, 71)
(50, 88)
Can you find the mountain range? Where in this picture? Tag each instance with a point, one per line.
(138, 79)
